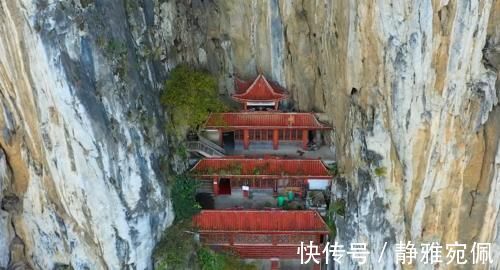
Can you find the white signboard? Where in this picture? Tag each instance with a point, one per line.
(318, 184)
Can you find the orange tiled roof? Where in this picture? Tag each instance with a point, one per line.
(245, 167)
(259, 221)
(259, 90)
(264, 120)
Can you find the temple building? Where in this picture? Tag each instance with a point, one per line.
(260, 122)
(269, 235)
(231, 174)
(244, 194)
(259, 94)
(272, 127)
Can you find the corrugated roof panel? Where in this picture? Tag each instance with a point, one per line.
(259, 221)
(239, 166)
(264, 120)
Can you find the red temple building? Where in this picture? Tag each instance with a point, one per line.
(261, 234)
(266, 126)
(258, 94)
(260, 121)
(251, 181)
(227, 173)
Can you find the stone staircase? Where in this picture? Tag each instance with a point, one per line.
(205, 186)
(205, 148)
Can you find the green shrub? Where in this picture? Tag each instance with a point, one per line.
(380, 171)
(231, 169)
(177, 245)
(338, 208)
(286, 206)
(175, 248)
(189, 96)
(116, 48)
(181, 151)
(334, 170)
(178, 249)
(330, 222)
(131, 5)
(210, 260)
(183, 195)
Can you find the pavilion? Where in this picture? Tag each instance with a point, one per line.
(227, 173)
(258, 94)
(255, 234)
(260, 119)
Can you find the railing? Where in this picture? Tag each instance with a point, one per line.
(211, 144)
(205, 147)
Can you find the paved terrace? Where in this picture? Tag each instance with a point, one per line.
(286, 149)
(260, 199)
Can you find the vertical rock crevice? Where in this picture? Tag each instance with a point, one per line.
(411, 88)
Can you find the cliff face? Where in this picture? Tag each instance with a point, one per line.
(409, 86)
(81, 138)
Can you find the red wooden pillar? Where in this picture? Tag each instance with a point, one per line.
(276, 139)
(231, 239)
(246, 139)
(305, 138)
(221, 138)
(216, 185)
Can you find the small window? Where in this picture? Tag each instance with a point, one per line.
(251, 134)
(238, 135)
(257, 135)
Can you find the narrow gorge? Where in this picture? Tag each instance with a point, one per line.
(411, 88)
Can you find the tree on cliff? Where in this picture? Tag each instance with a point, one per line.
(189, 96)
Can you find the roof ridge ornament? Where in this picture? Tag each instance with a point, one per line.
(259, 91)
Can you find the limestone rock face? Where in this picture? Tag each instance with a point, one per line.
(80, 136)
(409, 87)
